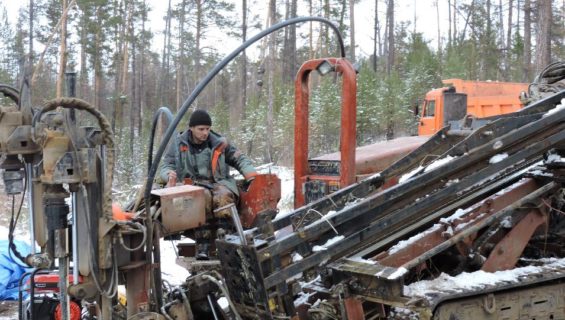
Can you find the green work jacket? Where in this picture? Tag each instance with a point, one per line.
(209, 163)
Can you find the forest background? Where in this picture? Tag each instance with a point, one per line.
(126, 74)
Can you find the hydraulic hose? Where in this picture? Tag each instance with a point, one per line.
(11, 93)
(197, 90)
(169, 116)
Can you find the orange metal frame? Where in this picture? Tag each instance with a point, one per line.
(348, 123)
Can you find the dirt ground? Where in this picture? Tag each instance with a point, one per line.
(8, 310)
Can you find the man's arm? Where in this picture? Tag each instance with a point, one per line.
(168, 167)
(238, 160)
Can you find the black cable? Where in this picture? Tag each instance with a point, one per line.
(188, 102)
(13, 223)
(156, 116)
(11, 93)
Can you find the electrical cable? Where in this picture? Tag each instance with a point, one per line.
(139, 228)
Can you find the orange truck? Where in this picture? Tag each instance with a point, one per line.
(481, 98)
(322, 175)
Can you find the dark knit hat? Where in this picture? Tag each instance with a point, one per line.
(200, 118)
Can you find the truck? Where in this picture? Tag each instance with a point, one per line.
(483, 99)
(458, 100)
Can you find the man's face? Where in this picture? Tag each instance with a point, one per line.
(200, 133)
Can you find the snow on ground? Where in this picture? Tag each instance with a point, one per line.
(473, 280)
(286, 204)
(170, 270)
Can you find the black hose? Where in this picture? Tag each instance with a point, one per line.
(188, 102)
(11, 93)
(156, 116)
(21, 295)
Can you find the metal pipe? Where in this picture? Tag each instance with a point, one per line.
(31, 211)
(75, 236)
(236, 222)
(211, 303)
(65, 311)
(61, 254)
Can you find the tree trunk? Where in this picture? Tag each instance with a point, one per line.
(271, 93)
(375, 35)
(83, 79)
(509, 40)
(390, 19)
(243, 71)
(455, 19)
(164, 75)
(438, 34)
(352, 23)
(142, 94)
(180, 58)
(311, 33)
(198, 36)
(326, 33)
(62, 51)
(449, 38)
(527, 64)
(543, 43)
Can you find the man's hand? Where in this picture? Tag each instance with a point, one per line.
(247, 183)
(172, 181)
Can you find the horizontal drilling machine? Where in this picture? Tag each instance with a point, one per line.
(469, 225)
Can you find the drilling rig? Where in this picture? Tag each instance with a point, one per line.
(469, 225)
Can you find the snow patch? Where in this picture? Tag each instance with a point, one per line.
(473, 280)
(498, 157)
(404, 243)
(328, 243)
(170, 270)
(359, 259)
(397, 274)
(410, 174)
(497, 145)
(438, 163)
(557, 108)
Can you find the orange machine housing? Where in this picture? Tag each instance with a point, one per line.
(484, 99)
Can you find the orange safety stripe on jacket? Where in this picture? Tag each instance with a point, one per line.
(216, 156)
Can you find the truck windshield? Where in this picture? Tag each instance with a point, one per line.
(429, 108)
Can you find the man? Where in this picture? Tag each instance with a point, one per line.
(202, 157)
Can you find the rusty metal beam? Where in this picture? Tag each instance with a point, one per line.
(507, 252)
